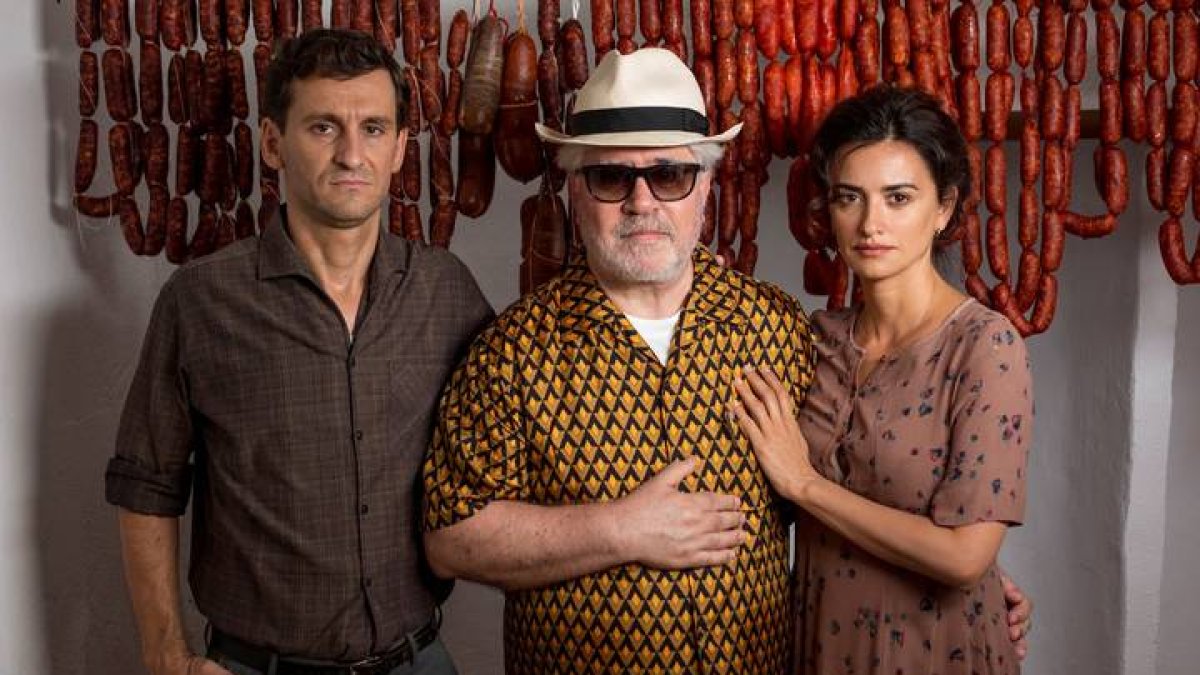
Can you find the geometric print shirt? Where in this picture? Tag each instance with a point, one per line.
(560, 401)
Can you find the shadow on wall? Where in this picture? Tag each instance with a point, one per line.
(87, 348)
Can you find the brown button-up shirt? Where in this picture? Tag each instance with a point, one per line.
(306, 442)
(561, 402)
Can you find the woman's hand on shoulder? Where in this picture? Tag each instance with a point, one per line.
(766, 413)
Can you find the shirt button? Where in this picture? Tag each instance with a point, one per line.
(358, 434)
(367, 582)
(363, 509)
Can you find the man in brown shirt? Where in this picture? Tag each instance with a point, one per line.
(291, 381)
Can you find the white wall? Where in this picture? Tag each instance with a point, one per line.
(74, 304)
(1180, 650)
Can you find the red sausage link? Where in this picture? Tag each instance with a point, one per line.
(85, 154)
(1030, 152)
(176, 235)
(1052, 106)
(1029, 273)
(1073, 112)
(997, 246)
(747, 69)
(1156, 167)
(1055, 190)
(188, 154)
(237, 20)
(775, 107)
(310, 15)
(964, 30)
(410, 30)
(970, 114)
(997, 38)
(114, 22)
(131, 225)
(1115, 185)
(431, 21)
(1108, 44)
(87, 22)
(1088, 227)
(177, 99)
(1156, 114)
(1000, 93)
(896, 32)
(1110, 112)
(1158, 55)
(235, 75)
(1184, 32)
(89, 83)
(785, 10)
(156, 221)
(287, 19)
(726, 73)
(603, 23)
(995, 168)
(766, 32)
(158, 153)
(1075, 65)
(548, 24)
(1185, 99)
(722, 21)
(145, 19)
(1179, 179)
(1174, 252)
(456, 42)
(517, 146)
(121, 153)
(1051, 35)
(574, 55)
(1027, 216)
(476, 174)
(972, 251)
(120, 95)
(243, 145)
(866, 53)
(1047, 302)
(150, 82)
(1133, 44)
(1022, 44)
(1133, 107)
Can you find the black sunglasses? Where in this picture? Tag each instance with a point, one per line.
(611, 183)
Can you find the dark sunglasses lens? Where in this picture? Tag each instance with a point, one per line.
(609, 183)
(671, 182)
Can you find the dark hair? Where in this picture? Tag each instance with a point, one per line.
(889, 113)
(329, 53)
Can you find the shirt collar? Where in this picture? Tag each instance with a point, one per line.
(278, 257)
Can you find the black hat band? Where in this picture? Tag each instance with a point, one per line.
(648, 118)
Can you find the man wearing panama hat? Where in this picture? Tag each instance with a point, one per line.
(581, 461)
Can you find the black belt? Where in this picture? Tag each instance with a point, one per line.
(260, 658)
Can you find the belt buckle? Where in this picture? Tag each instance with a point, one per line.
(365, 666)
(372, 664)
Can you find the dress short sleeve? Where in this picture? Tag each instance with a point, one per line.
(991, 425)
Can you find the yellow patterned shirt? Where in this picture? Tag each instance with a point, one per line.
(561, 402)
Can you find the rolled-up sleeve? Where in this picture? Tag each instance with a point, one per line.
(478, 450)
(150, 472)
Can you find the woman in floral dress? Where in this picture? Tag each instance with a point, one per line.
(907, 459)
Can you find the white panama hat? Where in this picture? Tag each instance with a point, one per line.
(648, 98)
